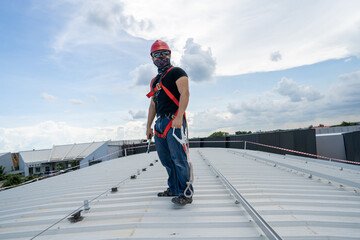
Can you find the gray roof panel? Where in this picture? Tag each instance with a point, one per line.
(294, 205)
(35, 156)
(61, 152)
(74, 151)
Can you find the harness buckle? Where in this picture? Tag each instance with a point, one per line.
(158, 87)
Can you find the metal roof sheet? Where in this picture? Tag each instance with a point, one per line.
(278, 187)
(74, 151)
(61, 152)
(1, 154)
(35, 155)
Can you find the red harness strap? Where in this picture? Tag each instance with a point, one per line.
(158, 87)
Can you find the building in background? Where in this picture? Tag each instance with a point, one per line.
(7, 162)
(61, 157)
(339, 142)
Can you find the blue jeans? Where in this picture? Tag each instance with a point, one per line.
(173, 157)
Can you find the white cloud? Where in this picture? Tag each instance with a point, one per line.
(132, 130)
(295, 92)
(248, 29)
(97, 22)
(239, 33)
(143, 74)
(138, 114)
(94, 99)
(48, 133)
(304, 105)
(45, 134)
(48, 97)
(199, 64)
(345, 94)
(203, 123)
(76, 101)
(275, 56)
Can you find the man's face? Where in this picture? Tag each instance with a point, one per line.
(160, 54)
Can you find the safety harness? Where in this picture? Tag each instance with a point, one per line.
(157, 88)
(184, 141)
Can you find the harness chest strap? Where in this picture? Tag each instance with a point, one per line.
(158, 87)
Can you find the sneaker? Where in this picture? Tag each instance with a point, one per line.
(166, 193)
(181, 200)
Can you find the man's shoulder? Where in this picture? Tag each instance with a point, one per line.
(177, 69)
(178, 72)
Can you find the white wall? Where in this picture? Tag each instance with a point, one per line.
(6, 161)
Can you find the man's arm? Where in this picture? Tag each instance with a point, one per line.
(183, 88)
(151, 116)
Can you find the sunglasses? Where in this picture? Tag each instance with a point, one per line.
(161, 54)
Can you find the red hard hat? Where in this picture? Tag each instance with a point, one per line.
(159, 45)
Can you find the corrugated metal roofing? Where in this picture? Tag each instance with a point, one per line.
(74, 151)
(61, 152)
(294, 205)
(35, 156)
(325, 206)
(1, 154)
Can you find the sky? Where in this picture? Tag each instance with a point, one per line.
(74, 71)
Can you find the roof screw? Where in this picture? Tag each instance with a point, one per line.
(237, 202)
(274, 165)
(86, 205)
(341, 169)
(144, 169)
(151, 164)
(133, 177)
(310, 176)
(114, 189)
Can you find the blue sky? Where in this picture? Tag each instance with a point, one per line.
(78, 71)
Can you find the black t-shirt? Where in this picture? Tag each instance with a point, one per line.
(164, 104)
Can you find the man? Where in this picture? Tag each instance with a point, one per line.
(169, 99)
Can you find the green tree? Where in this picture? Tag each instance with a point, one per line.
(60, 166)
(219, 134)
(13, 179)
(2, 173)
(345, 124)
(30, 177)
(242, 132)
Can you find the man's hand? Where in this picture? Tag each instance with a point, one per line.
(177, 122)
(149, 133)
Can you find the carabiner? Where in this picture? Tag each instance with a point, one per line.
(183, 136)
